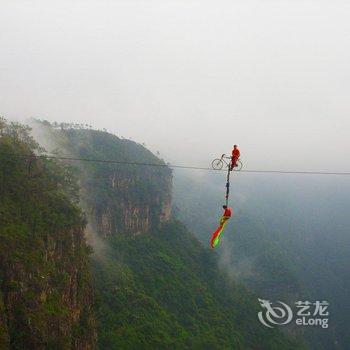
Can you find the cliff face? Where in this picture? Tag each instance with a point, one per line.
(118, 198)
(47, 299)
(129, 214)
(46, 293)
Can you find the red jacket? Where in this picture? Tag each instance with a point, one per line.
(228, 212)
(236, 153)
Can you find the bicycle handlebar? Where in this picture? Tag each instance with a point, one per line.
(227, 157)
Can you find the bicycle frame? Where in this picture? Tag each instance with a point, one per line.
(224, 157)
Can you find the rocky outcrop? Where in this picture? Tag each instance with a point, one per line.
(123, 211)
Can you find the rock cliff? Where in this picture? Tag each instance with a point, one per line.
(46, 291)
(118, 198)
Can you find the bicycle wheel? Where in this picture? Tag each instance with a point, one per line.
(238, 166)
(217, 164)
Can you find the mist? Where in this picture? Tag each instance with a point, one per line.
(188, 78)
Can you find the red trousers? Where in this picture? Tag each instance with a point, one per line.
(233, 162)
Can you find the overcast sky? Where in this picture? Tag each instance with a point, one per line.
(188, 77)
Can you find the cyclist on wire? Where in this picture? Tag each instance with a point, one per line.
(233, 162)
(235, 155)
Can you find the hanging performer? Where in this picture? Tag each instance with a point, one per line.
(235, 155)
(215, 238)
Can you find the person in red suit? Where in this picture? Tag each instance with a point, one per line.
(216, 236)
(227, 213)
(235, 155)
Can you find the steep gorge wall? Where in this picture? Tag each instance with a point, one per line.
(121, 212)
(118, 198)
(46, 292)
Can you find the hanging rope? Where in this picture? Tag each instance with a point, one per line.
(227, 185)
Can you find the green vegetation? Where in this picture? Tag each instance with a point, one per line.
(44, 275)
(165, 291)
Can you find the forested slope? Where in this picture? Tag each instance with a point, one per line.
(46, 291)
(165, 291)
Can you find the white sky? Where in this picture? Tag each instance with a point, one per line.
(188, 77)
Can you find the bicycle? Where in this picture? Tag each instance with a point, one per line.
(218, 163)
